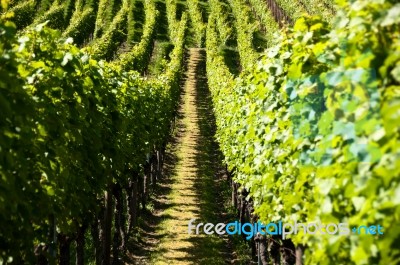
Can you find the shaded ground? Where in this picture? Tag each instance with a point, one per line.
(190, 187)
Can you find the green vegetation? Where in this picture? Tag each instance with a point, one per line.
(23, 13)
(54, 16)
(68, 104)
(311, 130)
(267, 21)
(138, 58)
(106, 46)
(306, 97)
(196, 18)
(81, 24)
(245, 28)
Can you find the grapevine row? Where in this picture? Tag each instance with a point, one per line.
(90, 127)
(131, 22)
(55, 15)
(294, 9)
(245, 29)
(267, 21)
(101, 19)
(312, 134)
(81, 24)
(24, 13)
(315, 7)
(171, 17)
(222, 20)
(138, 58)
(196, 18)
(105, 46)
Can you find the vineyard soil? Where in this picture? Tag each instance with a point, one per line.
(190, 188)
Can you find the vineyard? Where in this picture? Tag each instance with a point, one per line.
(121, 120)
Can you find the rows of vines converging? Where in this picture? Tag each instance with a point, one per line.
(311, 131)
(196, 18)
(82, 139)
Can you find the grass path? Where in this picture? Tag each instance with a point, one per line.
(192, 184)
(192, 190)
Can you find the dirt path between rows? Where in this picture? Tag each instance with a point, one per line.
(191, 187)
